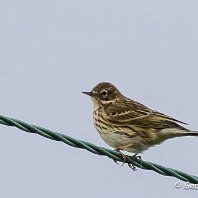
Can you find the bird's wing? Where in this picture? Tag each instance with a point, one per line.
(134, 113)
(127, 111)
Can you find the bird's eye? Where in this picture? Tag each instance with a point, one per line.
(103, 92)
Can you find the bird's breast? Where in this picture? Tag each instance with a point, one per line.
(111, 134)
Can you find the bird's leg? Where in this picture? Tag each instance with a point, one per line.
(118, 149)
(125, 157)
(136, 156)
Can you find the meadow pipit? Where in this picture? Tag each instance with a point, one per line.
(125, 124)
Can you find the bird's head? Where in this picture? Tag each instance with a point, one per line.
(104, 93)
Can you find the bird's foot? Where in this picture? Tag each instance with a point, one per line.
(136, 156)
(123, 156)
(132, 167)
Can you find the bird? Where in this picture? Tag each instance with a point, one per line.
(127, 125)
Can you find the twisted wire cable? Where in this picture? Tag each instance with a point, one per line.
(116, 156)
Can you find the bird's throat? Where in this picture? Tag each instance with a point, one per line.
(95, 103)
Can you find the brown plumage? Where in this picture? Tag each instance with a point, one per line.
(125, 124)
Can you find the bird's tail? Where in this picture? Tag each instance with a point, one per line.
(191, 133)
(177, 132)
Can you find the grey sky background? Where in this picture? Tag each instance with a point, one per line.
(51, 51)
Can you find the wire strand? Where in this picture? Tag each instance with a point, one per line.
(116, 156)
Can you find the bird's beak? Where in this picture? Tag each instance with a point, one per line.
(88, 93)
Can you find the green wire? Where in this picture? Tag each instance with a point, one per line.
(116, 156)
